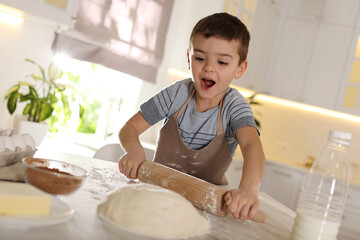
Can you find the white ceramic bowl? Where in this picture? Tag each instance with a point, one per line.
(9, 143)
(2, 145)
(29, 140)
(20, 144)
(7, 132)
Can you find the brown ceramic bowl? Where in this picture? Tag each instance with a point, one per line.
(52, 176)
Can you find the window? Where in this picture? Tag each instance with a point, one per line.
(108, 97)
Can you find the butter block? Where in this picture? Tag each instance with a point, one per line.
(23, 199)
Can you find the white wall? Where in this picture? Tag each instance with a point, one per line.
(32, 40)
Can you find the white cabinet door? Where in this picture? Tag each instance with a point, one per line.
(331, 11)
(263, 31)
(282, 183)
(304, 9)
(325, 68)
(340, 12)
(287, 73)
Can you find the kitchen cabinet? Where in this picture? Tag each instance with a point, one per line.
(349, 228)
(282, 183)
(311, 42)
(324, 72)
(288, 70)
(312, 51)
(61, 11)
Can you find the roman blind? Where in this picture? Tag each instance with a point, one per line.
(125, 35)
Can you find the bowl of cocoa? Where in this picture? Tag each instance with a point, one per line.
(52, 176)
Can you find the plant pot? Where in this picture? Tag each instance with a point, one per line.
(36, 130)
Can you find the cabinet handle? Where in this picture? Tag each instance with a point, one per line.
(283, 173)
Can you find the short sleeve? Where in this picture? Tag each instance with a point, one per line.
(166, 102)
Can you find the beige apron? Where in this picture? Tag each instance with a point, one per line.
(209, 163)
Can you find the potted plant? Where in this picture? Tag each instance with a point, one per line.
(251, 100)
(40, 95)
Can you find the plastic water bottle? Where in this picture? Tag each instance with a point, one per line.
(324, 192)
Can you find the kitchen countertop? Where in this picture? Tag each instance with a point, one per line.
(104, 177)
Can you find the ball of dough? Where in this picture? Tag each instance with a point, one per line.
(153, 211)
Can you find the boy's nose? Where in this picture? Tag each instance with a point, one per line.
(209, 67)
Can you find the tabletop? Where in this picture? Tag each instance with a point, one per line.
(105, 177)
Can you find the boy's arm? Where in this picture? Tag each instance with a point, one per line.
(134, 151)
(243, 202)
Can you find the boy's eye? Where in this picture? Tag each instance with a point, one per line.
(199, 59)
(222, 63)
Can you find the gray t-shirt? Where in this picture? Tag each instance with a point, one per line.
(199, 128)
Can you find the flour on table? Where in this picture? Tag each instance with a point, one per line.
(153, 211)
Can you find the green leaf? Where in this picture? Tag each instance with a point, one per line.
(72, 77)
(25, 83)
(45, 110)
(26, 97)
(40, 68)
(33, 107)
(11, 104)
(65, 101)
(36, 77)
(33, 92)
(27, 109)
(53, 99)
(81, 111)
(15, 88)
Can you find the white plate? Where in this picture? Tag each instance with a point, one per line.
(59, 212)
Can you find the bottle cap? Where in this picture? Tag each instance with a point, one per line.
(340, 137)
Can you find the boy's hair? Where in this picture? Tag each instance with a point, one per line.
(225, 26)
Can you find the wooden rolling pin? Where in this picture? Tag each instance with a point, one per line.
(200, 193)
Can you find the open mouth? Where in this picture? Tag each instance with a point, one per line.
(207, 83)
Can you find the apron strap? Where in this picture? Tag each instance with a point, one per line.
(220, 129)
(178, 113)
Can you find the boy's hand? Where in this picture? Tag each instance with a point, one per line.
(129, 163)
(242, 204)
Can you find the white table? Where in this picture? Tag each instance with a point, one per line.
(104, 177)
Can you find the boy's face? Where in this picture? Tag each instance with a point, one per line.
(214, 63)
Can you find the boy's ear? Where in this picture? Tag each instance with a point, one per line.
(188, 57)
(241, 69)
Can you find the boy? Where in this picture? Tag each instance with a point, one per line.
(205, 119)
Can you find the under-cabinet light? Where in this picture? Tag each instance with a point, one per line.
(309, 108)
(10, 15)
(179, 73)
